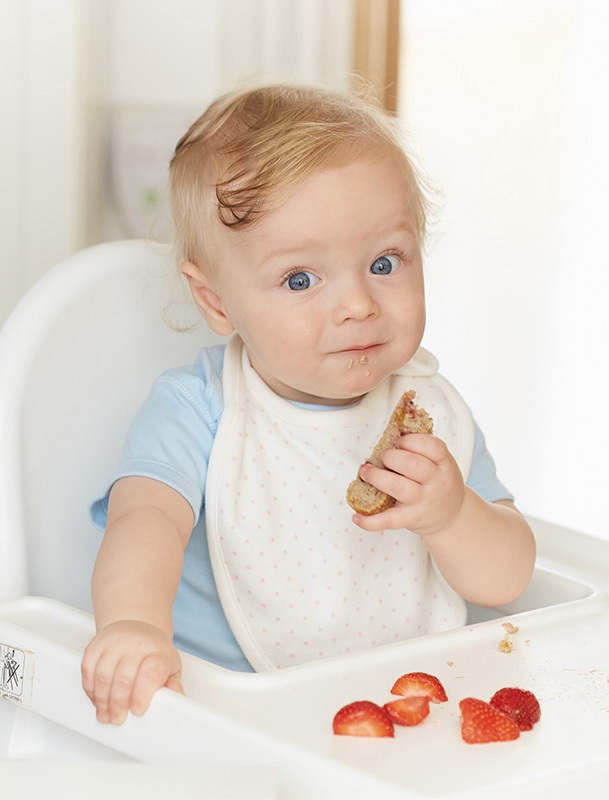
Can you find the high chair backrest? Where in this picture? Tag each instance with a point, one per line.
(77, 357)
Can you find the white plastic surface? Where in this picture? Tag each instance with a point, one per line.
(77, 358)
(60, 780)
(282, 721)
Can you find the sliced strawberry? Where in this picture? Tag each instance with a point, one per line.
(481, 722)
(518, 704)
(420, 684)
(408, 710)
(362, 718)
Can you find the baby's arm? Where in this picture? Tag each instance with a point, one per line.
(135, 580)
(486, 551)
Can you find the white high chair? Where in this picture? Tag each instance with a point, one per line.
(77, 357)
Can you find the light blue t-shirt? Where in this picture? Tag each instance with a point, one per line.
(170, 440)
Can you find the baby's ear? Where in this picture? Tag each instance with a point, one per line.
(207, 300)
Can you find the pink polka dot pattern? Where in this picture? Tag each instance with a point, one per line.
(298, 579)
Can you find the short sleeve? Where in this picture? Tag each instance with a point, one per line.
(483, 473)
(171, 436)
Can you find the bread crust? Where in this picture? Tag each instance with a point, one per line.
(406, 418)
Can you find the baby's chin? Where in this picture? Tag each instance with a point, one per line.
(350, 394)
(343, 384)
(363, 378)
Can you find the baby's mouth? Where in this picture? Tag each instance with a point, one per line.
(364, 351)
(357, 351)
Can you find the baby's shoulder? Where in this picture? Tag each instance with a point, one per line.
(198, 384)
(206, 367)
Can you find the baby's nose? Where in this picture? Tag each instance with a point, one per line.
(356, 302)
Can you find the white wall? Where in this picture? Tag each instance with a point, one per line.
(507, 106)
(40, 139)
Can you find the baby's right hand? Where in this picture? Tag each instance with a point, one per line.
(124, 665)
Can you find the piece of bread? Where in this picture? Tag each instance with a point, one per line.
(406, 418)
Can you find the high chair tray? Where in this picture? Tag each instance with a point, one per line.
(283, 720)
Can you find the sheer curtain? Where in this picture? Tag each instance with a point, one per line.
(311, 40)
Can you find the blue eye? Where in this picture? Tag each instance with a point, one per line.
(299, 281)
(384, 265)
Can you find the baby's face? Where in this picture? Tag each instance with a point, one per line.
(327, 290)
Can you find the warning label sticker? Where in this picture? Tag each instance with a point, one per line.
(16, 673)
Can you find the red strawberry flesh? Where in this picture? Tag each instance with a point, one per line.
(408, 710)
(420, 684)
(481, 723)
(362, 718)
(518, 704)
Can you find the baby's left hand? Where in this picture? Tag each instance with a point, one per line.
(426, 482)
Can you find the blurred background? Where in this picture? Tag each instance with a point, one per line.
(505, 106)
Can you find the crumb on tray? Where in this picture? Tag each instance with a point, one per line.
(505, 645)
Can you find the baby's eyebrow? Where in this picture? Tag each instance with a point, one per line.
(307, 248)
(399, 225)
(290, 251)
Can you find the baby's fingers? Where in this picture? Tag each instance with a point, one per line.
(155, 672)
(122, 690)
(92, 682)
(385, 520)
(98, 682)
(395, 484)
(426, 445)
(175, 684)
(411, 465)
(87, 669)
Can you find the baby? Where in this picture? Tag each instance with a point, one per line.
(299, 221)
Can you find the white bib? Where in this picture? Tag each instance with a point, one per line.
(297, 579)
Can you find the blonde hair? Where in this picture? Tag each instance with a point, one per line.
(252, 148)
